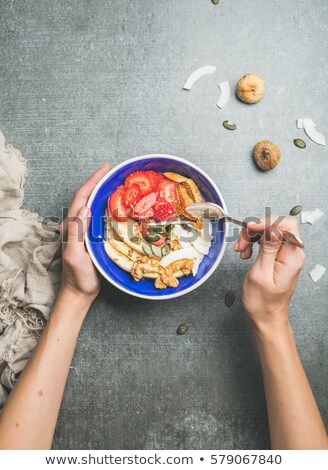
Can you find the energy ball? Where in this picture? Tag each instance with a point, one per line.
(266, 155)
(250, 88)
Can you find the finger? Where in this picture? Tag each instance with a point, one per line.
(247, 253)
(270, 246)
(83, 193)
(77, 228)
(245, 239)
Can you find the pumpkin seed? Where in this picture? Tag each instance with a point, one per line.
(182, 329)
(300, 143)
(157, 251)
(158, 228)
(169, 228)
(166, 250)
(186, 227)
(229, 298)
(135, 240)
(230, 125)
(296, 210)
(146, 248)
(215, 2)
(152, 237)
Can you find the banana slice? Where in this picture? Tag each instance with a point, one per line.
(190, 186)
(118, 258)
(125, 250)
(127, 230)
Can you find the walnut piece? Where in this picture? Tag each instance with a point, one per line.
(266, 155)
(250, 88)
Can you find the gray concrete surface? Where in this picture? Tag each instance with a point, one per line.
(84, 82)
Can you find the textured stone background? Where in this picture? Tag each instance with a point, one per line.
(84, 82)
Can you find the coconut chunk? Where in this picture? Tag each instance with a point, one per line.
(317, 272)
(314, 216)
(225, 94)
(197, 74)
(304, 216)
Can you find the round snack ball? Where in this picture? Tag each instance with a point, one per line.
(266, 155)
(250, 88)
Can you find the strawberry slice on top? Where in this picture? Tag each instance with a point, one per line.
(132, 195)
(116, 206)
(167, 190)
(145, 205)
(163, 210)
(146, 180)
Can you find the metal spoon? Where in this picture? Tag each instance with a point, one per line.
(209, 210)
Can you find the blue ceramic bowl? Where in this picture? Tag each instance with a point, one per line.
(96, 234)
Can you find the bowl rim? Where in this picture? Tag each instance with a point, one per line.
(226, 227)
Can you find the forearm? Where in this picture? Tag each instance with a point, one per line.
(29, 417)
(294, 418)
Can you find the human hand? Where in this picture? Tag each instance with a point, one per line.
(79, 276)
(270, 283)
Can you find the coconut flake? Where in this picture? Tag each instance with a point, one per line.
(317, 272)
(197, 74)
(196, 266)
(202, 246)
(314, 216)
(225, 94)
(304, 216)
(177, 255)
(299, 124)
(309, 127)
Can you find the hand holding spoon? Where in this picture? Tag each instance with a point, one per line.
(209, 210)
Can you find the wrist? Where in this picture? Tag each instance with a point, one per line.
(272, 331)
(72, 305)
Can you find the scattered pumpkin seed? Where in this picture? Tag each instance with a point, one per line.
(157, 251)
(230, 125)
(135, 240)
(229, 298)
(146, 248)
(182, 329)
(215, 2)
(300, 143)
(296, 210)
(152, 237)
(166, 250)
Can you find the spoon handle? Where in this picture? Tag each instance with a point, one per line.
(288, 236)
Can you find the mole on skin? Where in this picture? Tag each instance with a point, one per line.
(40, 392)
(17, 425)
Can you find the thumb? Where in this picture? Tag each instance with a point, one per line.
(270, 245)
(78, 226)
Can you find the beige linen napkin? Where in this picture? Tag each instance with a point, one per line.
(29, 270)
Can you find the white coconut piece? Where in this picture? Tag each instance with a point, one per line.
(196, 266)
(197, 74)
(315, 136)
(314, 216)
(304, 216)
(204, 249)
(184, 253)
(299, 124)
(317, 272)
(225, 94)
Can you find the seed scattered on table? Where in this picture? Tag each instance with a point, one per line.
(300, 143)
(215, 2)
(230, 298)
(230, 125)
(296, 210)
(182, 329)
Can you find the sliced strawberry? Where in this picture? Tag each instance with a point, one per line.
(116, 206)
(167, 190)
(145, 215)
(132, 195)
(145, 204)
(163, 210)
(145, 179)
